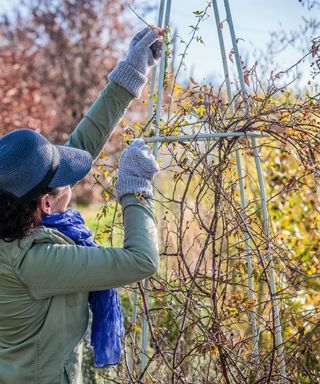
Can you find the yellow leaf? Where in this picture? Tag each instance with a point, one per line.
(124, 123)
(200, 110)
(187, 105)
(177, 90)
(105, 195)
(311, 270)
(126, 137)
(135, 328)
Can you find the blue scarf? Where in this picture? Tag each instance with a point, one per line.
(107, 321)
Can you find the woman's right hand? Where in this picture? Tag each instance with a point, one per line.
(144, 52)
(137, 167)
(145, 49)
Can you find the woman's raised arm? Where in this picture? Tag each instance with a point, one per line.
(126, 82)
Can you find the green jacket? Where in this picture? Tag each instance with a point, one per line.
(45, 280)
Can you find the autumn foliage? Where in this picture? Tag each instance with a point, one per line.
(54, 59)
(197, 307)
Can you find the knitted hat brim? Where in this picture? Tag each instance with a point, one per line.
(73, 166)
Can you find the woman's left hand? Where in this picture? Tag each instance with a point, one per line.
(137, 167)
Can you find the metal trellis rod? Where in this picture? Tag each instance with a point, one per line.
(202, 136)
(161, 78)
(155, 68)
(135, 296)
(274, 300)
(255, 335)
(167, 6)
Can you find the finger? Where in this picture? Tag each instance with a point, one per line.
(145, 154)
(156, 45)
(148, 165)
(159, 31)
(138, 36)
(150, 38)
(156, 49)
(146, 150)
(136, 143)
(158, 54)
(151, 59)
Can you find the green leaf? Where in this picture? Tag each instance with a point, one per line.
(198, 13)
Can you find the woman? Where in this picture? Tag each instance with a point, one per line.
(44, 277)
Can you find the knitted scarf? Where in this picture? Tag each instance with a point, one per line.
(107, 321)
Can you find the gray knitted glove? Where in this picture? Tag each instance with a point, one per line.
(144, 51)
(137, 166)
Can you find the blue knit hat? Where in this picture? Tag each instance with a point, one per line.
(29, 164)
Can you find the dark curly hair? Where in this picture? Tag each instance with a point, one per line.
(17, 219)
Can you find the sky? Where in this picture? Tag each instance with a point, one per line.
(254, 20)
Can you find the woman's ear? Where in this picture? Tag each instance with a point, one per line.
(45, 204)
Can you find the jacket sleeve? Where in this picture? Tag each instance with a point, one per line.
(49, 269)
(94, 130)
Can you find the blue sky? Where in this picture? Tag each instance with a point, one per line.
(253, 19)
